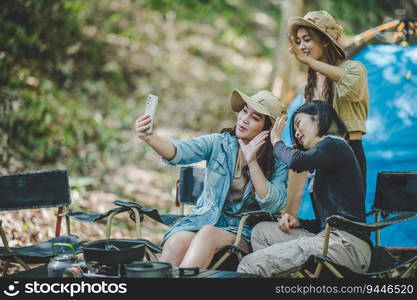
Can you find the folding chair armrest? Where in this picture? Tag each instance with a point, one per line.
(257, 216)
(88, 217)
(343, 223)
(257, 213)
(143, 210)
(137, 218)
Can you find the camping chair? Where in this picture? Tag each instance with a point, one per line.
(34, 190)
(396, 193)
(189, 187)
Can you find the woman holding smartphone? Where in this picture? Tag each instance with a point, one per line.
(315, 42)
(242, 175)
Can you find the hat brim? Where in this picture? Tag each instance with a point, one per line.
(295, 22)
(239, 100)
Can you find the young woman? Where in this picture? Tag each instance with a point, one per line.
(314, 41)
(337, 190)
(242, 175)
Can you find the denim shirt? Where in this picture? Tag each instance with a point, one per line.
(220, 153)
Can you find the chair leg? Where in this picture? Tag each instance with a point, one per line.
(377, 233)
(295, 272)
(325, 250)
(20, 261)
(308, 273)
(318, 270)
(67, 221)
(332, 269)
(9, 250)
(58, 221)
(220, 261)
(150, 255)
(137, 223)
(409, 269)
(6, 268)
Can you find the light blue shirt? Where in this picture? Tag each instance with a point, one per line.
(220, 153)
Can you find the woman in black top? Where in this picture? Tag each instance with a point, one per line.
(337, 190)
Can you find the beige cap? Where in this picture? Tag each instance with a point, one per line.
(322, 21)
(263, 102)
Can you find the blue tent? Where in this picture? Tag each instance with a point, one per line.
(390, 143)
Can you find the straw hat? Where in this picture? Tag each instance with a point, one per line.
(263, 102)
(322, 21)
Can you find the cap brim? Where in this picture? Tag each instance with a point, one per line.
(295, 22)
(239, 100)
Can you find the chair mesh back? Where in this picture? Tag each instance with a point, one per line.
(38, 189)
(396, 192)
(191, 184)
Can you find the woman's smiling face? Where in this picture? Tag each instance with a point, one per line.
(249, 123)
(306, 130)
(310, 44)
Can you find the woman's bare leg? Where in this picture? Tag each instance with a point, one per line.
(176, 246)
(205, 244)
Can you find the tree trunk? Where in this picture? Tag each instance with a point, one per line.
(286, 68)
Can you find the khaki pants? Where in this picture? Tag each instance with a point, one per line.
(277, 251)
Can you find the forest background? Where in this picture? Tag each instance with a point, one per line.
(74, 76)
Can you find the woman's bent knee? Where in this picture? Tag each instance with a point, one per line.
(208, 230)
(176, 243)
(215, 237)
(176, 246)
(259, 229)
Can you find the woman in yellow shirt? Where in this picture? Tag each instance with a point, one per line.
(314, 41)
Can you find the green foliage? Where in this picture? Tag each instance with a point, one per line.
(47, 65)
(240, 16)
(49, 128)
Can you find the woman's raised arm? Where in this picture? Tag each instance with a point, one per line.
(163, 146)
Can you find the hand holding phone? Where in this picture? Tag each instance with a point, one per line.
(151, 103)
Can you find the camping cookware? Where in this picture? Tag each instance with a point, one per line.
(113, 252)
(156, 269)
(60, 262)
(148, 269)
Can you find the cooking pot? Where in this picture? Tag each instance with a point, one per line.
(148, 269)
(156, 269)
(113, 251)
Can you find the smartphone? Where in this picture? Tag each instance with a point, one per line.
(151, 103)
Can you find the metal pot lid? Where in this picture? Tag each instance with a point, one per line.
(63, 257)
(148, 266)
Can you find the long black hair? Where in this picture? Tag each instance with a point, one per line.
(325, 114)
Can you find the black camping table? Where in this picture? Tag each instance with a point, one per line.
(41, 272)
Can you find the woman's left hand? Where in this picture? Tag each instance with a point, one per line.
(278, 128)
(249, 150)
